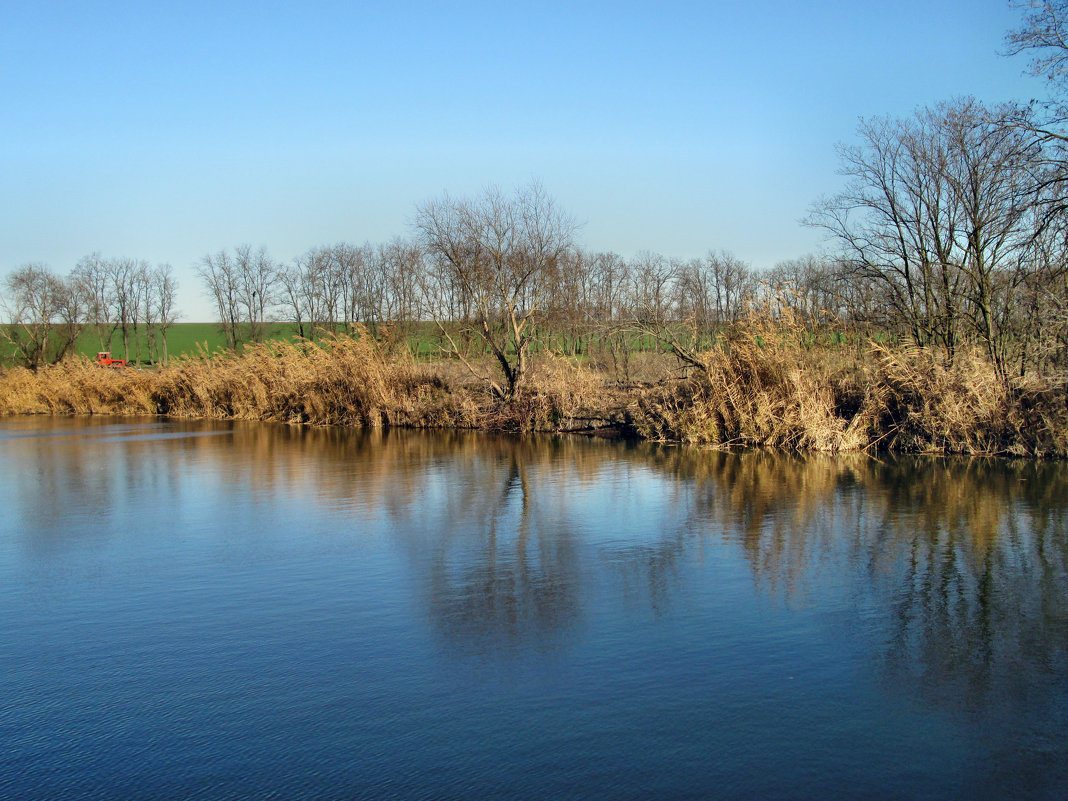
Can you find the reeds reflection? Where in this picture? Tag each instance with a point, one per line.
(954, 570)
(953, 573)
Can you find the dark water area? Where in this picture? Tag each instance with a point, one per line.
(196, 610)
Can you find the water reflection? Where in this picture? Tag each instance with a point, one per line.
(957, 568)
(954, 571)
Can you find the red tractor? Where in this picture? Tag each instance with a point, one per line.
(103, 359)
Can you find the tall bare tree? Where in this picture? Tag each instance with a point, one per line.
(164, 291)
(257, 279)
(940, 211)
(304, 290)
(91, 274)
(500, 253)
(122, 274)
(1044, 37)
(400, 265)
(712, 291)
(222, 284)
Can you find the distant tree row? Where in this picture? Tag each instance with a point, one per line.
(496, 274)
(949, 233)
(500, 274)
(47, 312)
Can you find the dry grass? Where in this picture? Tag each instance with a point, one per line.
(76, 386)
(921, 404)
(761, 387)
(346, 381)
(343, 381)
(768, 386)
(562, 395)
(765, 385)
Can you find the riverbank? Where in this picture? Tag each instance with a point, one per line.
(750, 393)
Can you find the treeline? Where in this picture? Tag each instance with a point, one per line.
(118, 298)
(950, 234)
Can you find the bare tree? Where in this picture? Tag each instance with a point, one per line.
(658, 312)
(712, 291)
(142, 308)
(500, 253)
(1044, 36)
(91, 274)
(164, 290)
(257, 279)
(293, 298)
(331, 286)
(305, 293)
(610, 307)
(400, 264)
(123, 291)
(808, 286)
(45, 314)
(351, 286)
(610, 276)
(222, 284)
(940, 211)
(734, 282)
(569, 320)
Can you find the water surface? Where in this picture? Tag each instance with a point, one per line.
(206, 610)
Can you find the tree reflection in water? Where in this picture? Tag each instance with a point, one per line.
(957, 567)
(954, 569)
(503, 569)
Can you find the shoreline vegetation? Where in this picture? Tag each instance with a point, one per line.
(766, 383)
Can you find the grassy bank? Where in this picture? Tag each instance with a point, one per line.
(764, 386)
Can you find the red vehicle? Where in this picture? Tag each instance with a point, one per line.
(103, 359)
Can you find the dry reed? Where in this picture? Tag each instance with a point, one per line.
(767, 384)
(761, 386)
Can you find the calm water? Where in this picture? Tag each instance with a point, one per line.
(196, 610)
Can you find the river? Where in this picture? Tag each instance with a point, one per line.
(205, 610)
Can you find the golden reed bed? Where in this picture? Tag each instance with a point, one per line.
(753, 391)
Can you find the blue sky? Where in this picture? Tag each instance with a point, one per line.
(165, 131)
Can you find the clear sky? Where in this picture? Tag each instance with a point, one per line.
(167, 130)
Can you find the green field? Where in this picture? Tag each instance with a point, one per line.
(181, 338)
(423, 339)
(195, 338)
